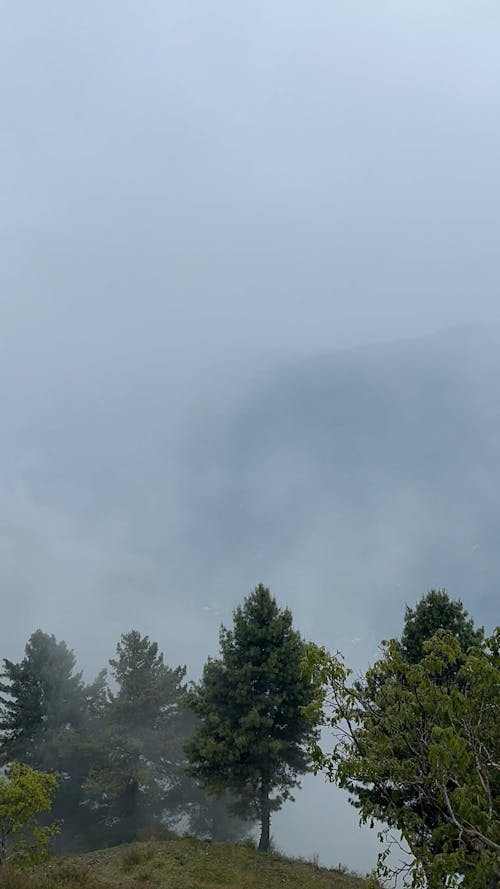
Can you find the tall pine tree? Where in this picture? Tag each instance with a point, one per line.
(135, 782)
(41, 695)
(47, 721)
(252, 736)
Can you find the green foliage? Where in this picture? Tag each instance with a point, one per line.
(24, 793)
(44, 695)
(426, 743)
(252, 733)
(436, 611)
(137, 773)
(147, 688)
(48, 720)
(120, 756)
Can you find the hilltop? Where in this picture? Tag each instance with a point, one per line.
(183, 864)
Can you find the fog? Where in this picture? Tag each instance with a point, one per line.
(208, 210)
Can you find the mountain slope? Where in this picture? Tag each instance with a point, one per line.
(371, 474)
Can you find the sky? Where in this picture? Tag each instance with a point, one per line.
(194, 194)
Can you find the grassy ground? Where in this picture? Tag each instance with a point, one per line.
(182, 864)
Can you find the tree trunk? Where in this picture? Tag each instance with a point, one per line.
(265, 819)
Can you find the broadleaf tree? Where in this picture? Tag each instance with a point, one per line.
(252, 737)
(422, 743)
(435, 612)
(24, 794)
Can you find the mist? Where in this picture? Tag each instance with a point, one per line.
(209, 211)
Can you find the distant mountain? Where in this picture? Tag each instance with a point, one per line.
(350, 483)
(360, 478)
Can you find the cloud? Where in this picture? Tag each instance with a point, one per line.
(194, 199)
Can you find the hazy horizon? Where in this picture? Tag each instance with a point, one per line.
(202, 205)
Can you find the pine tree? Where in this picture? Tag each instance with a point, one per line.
(436, 611)
(47, 722)
(252, 736)
(43, 695)
(135, 782)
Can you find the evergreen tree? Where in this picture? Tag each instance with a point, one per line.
(44, 697)
(47, 721)
(436, 611)
(252, 736)
(135, 782)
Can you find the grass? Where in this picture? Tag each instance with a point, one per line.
(182, 864)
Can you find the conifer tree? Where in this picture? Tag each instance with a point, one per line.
(48, 721)
(134, 783)
(252, 736)
(40, 695)
(437, 611)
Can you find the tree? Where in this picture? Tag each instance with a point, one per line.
(44, 695)
(24, 793)
(424, 744)
(135, 781)
(48, 721)
(436, 611)
(252, 736)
